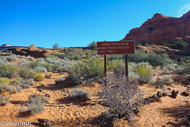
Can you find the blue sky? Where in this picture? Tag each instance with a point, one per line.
(71, 23)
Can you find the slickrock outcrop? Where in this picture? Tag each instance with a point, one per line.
(32, 51)
(162, 28)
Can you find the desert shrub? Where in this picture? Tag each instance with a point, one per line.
(10, 58)
(115, 57)
(92, 46)
(26, 83)
(165, 44)
(172, 66)
(8, 70)
(58, 80)
(152, 58)
(48, 66)
(77, 57)
(86, 71)
(27, 73)
(180, 44)
(131, 66)
(30, 58)
(34, 64)
(145, 72)
(120, 95)
(167, 79)
(4, 100)
(54, 55)
(41, 68)
(23, 64)
(77, 94)
(139, 56)
(4, 81)
(133, 77)
(35, 104)
(3, 61)
(116, 66)
(147, 45)
(38, 77)
(156, 60)
(16, 81)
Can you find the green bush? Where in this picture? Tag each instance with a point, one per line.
(86, 71)
(116, 66)
(147, 45)
(34, 64)
(9, 70)
(92, 46)
(38, 77)
(165, 44)
(4, 81)
(27, 73)
(152, 58)
(77, 94)
(145, 72)
(180, 44)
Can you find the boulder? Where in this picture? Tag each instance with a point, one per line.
(32, 48)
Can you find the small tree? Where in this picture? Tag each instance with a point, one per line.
(92, 46)
(55, 46)
(180, 44)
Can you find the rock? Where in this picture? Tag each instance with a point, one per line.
(165, 94)
(87, 103)
(162, 28)
(171, 122)
(159, 94)
(40, 90)
(186, 93)
(174, 94)
(47, 95)
(44, 122)
(32, 48)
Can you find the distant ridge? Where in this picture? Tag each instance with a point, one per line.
(5, 47)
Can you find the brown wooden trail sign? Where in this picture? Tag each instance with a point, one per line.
(116, 47)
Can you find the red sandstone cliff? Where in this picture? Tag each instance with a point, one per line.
(162, 28)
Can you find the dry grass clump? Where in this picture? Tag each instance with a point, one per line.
(77, 94)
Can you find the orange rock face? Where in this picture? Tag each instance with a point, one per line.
(162, 28)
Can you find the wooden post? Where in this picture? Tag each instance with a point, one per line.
(105, 68)
(126, 68)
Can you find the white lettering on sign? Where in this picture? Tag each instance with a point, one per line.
(126, 47)
(120, 47)
(115, 44)
(111, 47)
(106, 44)
(101, 51)
(110, 51)
(123, 43)
(102, 48)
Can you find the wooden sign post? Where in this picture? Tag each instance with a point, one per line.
(116, 47)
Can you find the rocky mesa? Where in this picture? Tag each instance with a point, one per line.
(162, 28)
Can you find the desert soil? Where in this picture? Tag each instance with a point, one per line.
(62, 112)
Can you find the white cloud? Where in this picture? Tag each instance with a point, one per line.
(183, 10)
